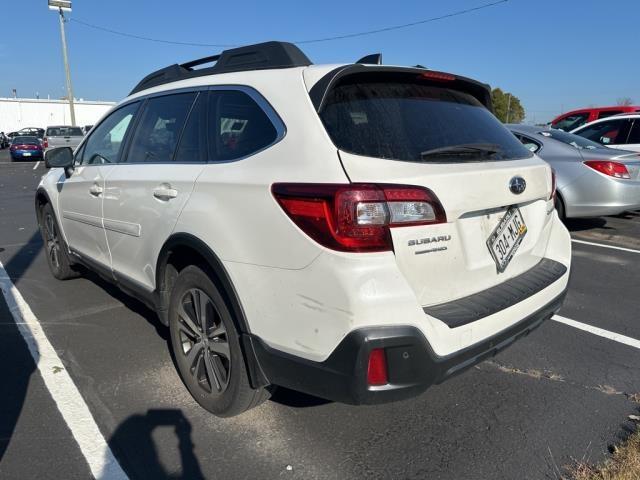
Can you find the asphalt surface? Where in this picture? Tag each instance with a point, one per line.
(556, 396)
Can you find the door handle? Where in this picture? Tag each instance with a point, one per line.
(95, 190)
(165, 192)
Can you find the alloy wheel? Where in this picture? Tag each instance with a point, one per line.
(204, 342)
(52, 241)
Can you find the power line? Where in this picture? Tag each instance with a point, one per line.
(299, 42)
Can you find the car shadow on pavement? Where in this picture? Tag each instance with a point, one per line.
(134, 442)
(581, 224)
(16, 362)
(292, 398)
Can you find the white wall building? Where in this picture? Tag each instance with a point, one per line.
(17, 113)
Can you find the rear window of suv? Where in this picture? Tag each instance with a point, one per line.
(414, 121)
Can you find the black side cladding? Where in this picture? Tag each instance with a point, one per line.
(262, 56)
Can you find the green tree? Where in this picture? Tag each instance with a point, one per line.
(506, 106)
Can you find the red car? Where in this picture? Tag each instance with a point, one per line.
(575, 118)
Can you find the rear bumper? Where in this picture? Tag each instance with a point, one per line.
(412, 364)
(20, 154)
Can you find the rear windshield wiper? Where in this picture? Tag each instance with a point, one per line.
(465, 149)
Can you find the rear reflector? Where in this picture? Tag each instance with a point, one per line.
(613, 169)
(377, 368)
(357, 217)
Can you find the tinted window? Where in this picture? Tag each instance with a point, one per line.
(192, 146)
(388, 117)
(634, 135)
(572, 121)
(156, 136)
(26, 140)
(528, 143)
(608, 113)
(611, 132)
(64, 132)
(104, 145)
(238, 126)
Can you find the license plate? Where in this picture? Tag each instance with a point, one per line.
(26, 154)
(507, 237)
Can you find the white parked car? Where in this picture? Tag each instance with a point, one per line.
(619, 131)
(356, 232)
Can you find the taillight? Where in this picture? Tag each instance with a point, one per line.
(45, 143)
(553, 185)
(377, 368)
(357, 217)
(613, 169)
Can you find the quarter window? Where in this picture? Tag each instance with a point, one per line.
(104, 145)
(528, 143)
(156, 136)
(238, 126)
(634, 135)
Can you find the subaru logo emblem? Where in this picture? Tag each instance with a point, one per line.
(517, 185)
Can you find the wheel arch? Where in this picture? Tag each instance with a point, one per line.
(41, 199)
(183, 249)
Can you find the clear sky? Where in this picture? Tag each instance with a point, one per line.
(553, 54)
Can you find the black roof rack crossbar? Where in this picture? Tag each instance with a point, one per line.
(262, 56)
(200, 61)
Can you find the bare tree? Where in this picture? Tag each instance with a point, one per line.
(623, 101)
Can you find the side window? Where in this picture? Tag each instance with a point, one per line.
(611, 132)
(161, 122)
(238, 126)
(572, 121)
(608, 113)
(528, 143)
(634, 135)
(193, 141)
(104, 145)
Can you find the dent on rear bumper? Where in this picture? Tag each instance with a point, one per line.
(412, 365)
(308, 312)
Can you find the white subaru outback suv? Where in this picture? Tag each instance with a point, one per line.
(356, 232)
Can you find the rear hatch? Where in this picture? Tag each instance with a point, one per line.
(63, 136)
(433, 132)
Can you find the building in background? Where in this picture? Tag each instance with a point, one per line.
(17, 113)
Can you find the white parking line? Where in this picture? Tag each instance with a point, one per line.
(74, 410)
(36, 165)
(616, 337)
(605, 246)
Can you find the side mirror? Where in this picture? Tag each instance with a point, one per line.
(60, 157)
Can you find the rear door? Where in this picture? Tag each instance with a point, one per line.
(81, 195)
(145, 194)
(420, 132)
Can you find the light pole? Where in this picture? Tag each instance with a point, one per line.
(65, 6)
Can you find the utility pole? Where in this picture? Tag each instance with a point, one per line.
(508, 108)
(62, 6)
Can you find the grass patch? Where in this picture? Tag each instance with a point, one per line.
(624, 463)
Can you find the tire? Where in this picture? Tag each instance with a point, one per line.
(209, 359)
(55, 247)
(559, 204)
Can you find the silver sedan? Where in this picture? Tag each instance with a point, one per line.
(592, 180)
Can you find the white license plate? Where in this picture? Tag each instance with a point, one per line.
(26, 154)
(507, 237)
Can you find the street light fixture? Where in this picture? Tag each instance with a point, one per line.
(65, 6)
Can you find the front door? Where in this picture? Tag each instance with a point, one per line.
(81, 195)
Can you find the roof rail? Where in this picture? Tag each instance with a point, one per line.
(261, 56)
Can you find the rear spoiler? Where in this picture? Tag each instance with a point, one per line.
(480, 91)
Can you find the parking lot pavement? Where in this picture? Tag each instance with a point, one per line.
(557, 395)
